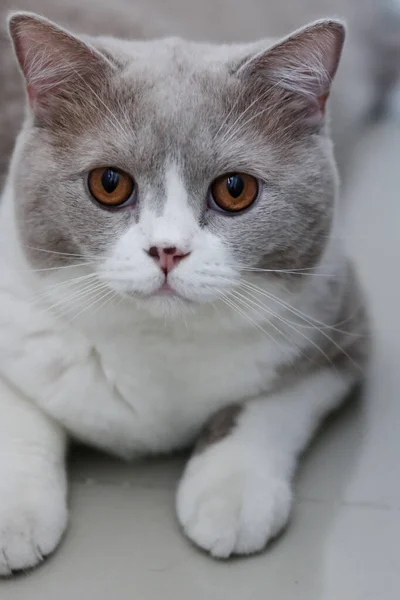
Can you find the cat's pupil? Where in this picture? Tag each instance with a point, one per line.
(110, 180)
(235, 185)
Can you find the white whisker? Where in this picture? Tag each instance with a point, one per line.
(308, 320)
(77, 295)
(70, 254)
(86, 308)
(309, 340)
(44, 270)
(246, 301)
(312, 321)
(109, 297)
(49, 289)
(241, 312)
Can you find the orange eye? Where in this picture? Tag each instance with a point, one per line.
(110, 187)
(235, 192)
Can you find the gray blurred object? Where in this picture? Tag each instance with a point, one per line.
(381, 29)
(366, 75)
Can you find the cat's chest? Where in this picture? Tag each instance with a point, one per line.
(140, 390)
(172, 384)
(189, 374)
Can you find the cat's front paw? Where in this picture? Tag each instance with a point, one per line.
(33, 518)
(228, 507)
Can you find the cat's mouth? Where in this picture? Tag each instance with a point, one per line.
(166, 300)
(165, 290)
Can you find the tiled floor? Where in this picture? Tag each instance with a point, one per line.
(344, 539)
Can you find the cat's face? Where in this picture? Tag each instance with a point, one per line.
(173, 169)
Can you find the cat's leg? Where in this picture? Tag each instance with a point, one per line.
(33, 486)
(235, 493)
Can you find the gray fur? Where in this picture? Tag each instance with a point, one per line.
(220, 426)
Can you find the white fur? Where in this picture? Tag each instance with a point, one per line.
(33, 488)
(236, 495)
(124, 379)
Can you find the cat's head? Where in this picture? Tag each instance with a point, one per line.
(172, 168)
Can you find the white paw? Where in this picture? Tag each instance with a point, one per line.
(33, 517)
(228, 506)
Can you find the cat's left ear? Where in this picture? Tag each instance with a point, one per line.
(303, 65)
(59, 69)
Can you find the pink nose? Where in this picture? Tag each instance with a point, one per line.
(167, 258)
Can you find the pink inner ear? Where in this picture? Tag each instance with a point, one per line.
(55, 64)
(322, 101)
(304, 64)
(31, 94)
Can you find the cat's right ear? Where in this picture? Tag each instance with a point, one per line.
(56, 65)
(302, 65)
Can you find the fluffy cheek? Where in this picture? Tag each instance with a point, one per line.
(128, 269)
(208, 272)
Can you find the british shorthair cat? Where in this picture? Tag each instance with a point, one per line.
(171, 275)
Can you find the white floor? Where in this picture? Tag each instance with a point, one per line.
(344, 539)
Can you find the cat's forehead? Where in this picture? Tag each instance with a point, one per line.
(174, 74)
(175, 71)
(170, 97)
(174, 54)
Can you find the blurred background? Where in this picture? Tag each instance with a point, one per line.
(343, 542)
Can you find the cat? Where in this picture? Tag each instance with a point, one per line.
(171, 275)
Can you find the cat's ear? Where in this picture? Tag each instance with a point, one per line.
(303, 64)
(56, 65)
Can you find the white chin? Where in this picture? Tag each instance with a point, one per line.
(166, 305)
